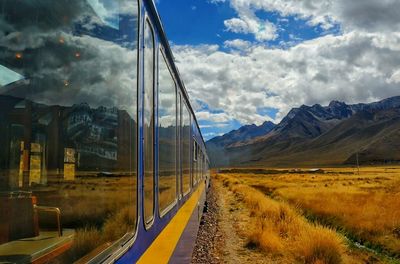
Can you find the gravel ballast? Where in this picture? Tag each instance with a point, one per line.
(207, 238)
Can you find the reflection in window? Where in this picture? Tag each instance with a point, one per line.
(148, 125)
(167, 112)
(8, 76)
(194, 163)
(186, 150)
(197, 162)
(68, 129)
(201, 167)
(179, 143)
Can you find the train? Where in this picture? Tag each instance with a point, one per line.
(102, 159)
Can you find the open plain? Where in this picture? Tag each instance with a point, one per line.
(330, 215)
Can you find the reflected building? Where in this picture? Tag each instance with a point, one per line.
(46, 143)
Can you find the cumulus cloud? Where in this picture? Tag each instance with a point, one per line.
(249, 23)
(64, 66)
(395, 78)
(262, 29)
(367, 15)
(360, 65)
(354, 67)
(238, 44)
(215, 125)
(208, 116)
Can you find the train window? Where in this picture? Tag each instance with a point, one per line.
(204, 167)
(148, 122)
(167, 114)
(194, 161)
(201, 165)
(68, 126)
(198, 163)
(186, 136)
(179, 143)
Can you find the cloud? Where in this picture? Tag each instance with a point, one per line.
(361, 65)
(216, 1)
(215, 125)
(262, 30)
(366, 15)
(208, 116)
(355, 67)
(249, 23)
(395, 78)
(238, 44)
(65, 66)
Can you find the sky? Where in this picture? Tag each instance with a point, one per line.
(250, 61)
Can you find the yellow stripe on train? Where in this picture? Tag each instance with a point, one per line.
(163, 247)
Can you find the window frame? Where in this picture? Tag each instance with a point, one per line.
(148, 224)
(179, 184)
(187, 111)
(194, 162)
(161, 56)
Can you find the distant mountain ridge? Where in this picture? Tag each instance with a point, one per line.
(324, 118)
(244, 133)
(308, 133)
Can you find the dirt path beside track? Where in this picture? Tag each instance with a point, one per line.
(221, 237)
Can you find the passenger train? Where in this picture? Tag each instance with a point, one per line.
(101, 159)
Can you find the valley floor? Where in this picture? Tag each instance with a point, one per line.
(336, 215)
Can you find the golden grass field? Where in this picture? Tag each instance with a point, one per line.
(335, 215)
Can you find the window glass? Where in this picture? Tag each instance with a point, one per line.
(186, 150)
(148, 122)
(194, 162)
(198, 163)
(204, 166)
(201, 165)
(179, 143)
(68, 124)
(167, 112)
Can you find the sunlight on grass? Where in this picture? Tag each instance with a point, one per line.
(280, 229)
(294, 205)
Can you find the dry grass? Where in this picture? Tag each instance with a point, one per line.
(365, 206)
(85, 240)
(87, 201)
(167, 189)
(89, 239)
(101, 210)
(280, 229)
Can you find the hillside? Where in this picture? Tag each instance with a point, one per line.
(320, 136)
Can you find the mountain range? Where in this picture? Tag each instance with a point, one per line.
(316, 136)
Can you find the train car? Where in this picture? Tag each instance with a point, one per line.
(101, 159)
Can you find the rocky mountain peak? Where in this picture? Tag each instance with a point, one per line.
(336, 104)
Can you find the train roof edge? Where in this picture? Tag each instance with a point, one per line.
(170, 54)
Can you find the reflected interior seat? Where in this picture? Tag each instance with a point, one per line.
(38, 249)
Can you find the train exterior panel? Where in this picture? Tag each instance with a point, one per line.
(102, 158)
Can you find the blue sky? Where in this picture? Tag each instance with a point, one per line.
(194, 22)
(239, 34)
